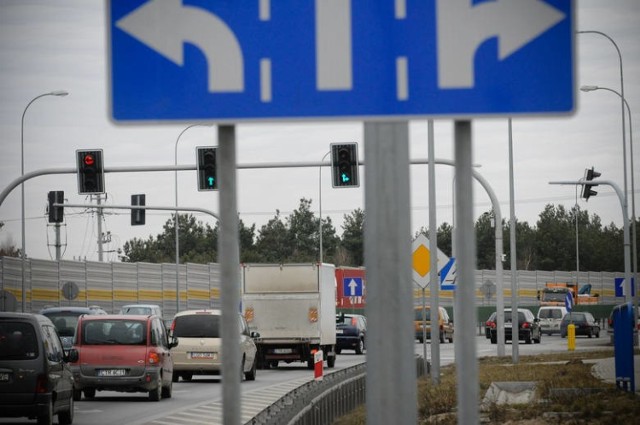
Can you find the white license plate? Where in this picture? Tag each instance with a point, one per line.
(4, 377)
(507, 325)
(203, 355)
(112, 372)
(339, 331)
(282, 351)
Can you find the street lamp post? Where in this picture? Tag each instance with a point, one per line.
(177, 222)
(634, 252)
(24, 253)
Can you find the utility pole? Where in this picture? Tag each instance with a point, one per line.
(99, 215)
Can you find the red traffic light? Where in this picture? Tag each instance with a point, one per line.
(89, 160)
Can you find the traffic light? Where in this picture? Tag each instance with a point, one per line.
(56, 214)
(344, 165)
(90, 171)
(589, 175)
(207, 178)
(137, 214)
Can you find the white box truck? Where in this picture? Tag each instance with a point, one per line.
(293, 308)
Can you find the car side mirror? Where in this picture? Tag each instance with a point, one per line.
(71, 356)
(255, 334)
(173, 342)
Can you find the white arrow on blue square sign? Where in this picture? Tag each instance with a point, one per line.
(621, 288)
(227, 61)
(352, 286)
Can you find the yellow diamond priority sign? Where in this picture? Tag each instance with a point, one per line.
(421, 260)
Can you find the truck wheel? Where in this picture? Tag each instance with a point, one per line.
(331, 361)
(89, 392)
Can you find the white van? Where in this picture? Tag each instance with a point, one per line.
(550, 318)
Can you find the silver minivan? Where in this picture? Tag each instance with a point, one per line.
(550, 317)
(35, 380)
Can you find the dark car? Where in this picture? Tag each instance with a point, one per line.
(351, 332)
(65, 319)
(35, 380)
(584, 322)
(528, 327)
(490, 324)
(127, 353)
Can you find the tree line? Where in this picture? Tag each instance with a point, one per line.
(548, 245)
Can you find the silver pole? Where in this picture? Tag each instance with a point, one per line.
(99, 216)
(391, 393)
(465, 300)
(22, 213)
(229, 257)
(433, 271)
(514, 268)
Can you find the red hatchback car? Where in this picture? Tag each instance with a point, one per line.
(127, 353)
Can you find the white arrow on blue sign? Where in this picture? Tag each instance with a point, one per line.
(352, 286)
(229, 61)
(621, 288)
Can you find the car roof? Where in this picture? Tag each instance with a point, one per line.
(83, 310)
(117, 317)
(141, 305)
(213, 312)
(26, 317)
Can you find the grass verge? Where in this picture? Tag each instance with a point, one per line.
(592, 402)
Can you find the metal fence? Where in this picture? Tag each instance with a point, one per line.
(111, 285)
(108, 285)
(322, 402)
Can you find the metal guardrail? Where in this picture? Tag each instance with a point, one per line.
(321, 402)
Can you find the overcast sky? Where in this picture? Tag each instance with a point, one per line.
(48, 45)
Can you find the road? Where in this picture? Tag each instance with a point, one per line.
(204, 393)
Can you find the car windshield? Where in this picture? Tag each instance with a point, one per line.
(136, 310)
(197, 326)
(120, 332)
(507, 317)
(65, 322)
(419, 314)
(17, 341)
(550, 313)
(574, 317)
(347, 320)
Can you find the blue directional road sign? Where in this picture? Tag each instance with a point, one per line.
(228, 61)
(621, 288)
(352, 286)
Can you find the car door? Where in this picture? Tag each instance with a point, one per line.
(247, 346)
(59, 372)
(159, 340)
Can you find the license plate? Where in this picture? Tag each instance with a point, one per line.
(203, 355)
(507, 325)
(112, 372)
(282, 351)
(4, 376)
(339, 331)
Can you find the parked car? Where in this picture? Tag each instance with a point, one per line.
(128, 353)
(65, 319)
(584, 322)
(445, 324)
(351, 332)
(143, 309)
(490, 324)
(528, 327)
(550, 318)
(200, 345)
(35, 379)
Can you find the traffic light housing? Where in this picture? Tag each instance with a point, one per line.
(56, 214)
(207, 176)
(344, 165)
(90, 171)
(138, 214)
(587, 190)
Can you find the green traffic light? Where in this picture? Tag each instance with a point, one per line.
(345, 178)
(210, 180)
